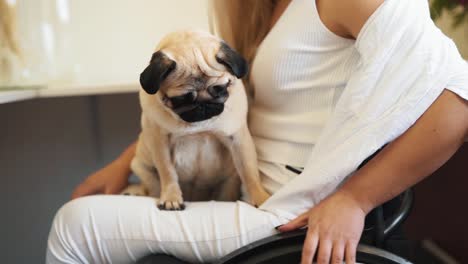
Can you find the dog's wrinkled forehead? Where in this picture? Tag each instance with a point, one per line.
(193, 51)
(191, 55)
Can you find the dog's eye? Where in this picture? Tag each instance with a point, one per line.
(180, 100)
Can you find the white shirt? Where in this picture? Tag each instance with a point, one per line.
(298, 74)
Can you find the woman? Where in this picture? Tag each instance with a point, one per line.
(303, 53)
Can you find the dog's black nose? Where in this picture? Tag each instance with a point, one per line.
(217, 91)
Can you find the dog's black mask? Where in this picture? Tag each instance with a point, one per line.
(200, 111)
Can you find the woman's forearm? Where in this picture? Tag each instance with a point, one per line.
(109, 180)
(125, 159)
(421, 150)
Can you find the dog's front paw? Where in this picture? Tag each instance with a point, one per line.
(171, 199)
(259, 197)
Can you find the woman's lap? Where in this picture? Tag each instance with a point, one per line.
(122, 229)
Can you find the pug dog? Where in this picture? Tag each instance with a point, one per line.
(195, 143)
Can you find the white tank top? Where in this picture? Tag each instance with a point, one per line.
(298, 74)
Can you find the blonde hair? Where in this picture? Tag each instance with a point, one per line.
(243, 24)
(7, 27)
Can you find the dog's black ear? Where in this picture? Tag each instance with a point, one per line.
(157, 71)
(235, 63)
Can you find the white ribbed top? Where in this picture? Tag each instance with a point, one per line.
(298, 75)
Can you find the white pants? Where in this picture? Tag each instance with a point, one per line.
(123, 229)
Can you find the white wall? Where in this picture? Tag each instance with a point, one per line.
(96, 42)
(114, 39)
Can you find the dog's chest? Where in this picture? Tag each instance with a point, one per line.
(201, 157)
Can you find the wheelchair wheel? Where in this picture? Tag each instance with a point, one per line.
(292, 254)
(287, 248)
(284, 254)
(371, 255)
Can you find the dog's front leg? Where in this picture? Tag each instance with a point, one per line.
(245, 160)
(171, 194)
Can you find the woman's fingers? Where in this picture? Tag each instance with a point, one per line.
(335, 226)
(350, 252)
(328, 252)
(324, 250)
(310, 247)
(338, 250)
(294, 224)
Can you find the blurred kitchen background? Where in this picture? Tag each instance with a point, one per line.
(68, 100)
(68, 105)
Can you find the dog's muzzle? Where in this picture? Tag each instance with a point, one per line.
(201, 111)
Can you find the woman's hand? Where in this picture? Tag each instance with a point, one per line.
(109, 180)
(335, 226)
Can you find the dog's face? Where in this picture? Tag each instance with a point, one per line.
(192, 73)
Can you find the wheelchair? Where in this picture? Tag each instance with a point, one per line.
(381, 241)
